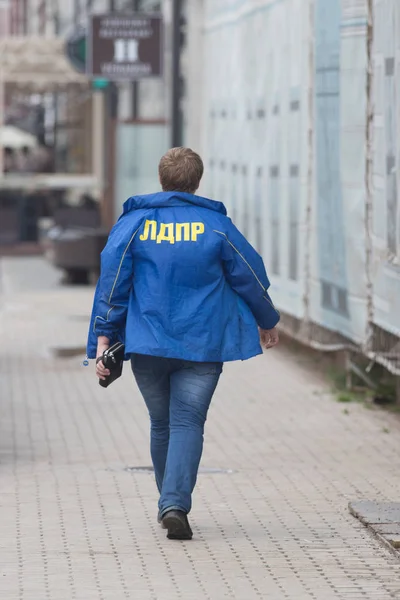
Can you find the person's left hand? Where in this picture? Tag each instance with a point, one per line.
(269, 338)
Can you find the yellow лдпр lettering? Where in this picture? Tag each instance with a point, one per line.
(166, 233)
(186, 232)
(145, 234)
(197, 229)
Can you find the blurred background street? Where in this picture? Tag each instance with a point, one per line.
(293, 105)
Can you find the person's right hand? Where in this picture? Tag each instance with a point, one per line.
(101, 370)
(269, 337)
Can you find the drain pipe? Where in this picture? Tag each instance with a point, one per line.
(368, 177)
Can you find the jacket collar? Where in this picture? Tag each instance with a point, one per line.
(169, 199)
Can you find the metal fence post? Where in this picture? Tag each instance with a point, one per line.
(176, 122)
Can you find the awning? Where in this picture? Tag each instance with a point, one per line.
(37, 63)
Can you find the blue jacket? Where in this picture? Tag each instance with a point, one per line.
(179, 280)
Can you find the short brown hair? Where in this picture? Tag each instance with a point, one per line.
(180, 170)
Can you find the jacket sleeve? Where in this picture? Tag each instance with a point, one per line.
(245, 272)
(111, 299)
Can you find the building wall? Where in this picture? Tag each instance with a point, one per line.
(4, 17)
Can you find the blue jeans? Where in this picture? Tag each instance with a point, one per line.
(177, 394)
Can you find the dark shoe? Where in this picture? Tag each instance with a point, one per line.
(177, 523)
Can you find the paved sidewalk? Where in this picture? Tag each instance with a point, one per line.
(76, 525)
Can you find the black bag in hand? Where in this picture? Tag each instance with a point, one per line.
(113, 360)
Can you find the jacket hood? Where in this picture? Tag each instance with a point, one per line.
(168, 199)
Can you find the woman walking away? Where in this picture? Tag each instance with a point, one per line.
(185, 292)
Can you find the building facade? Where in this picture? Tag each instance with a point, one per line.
(70, 122)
